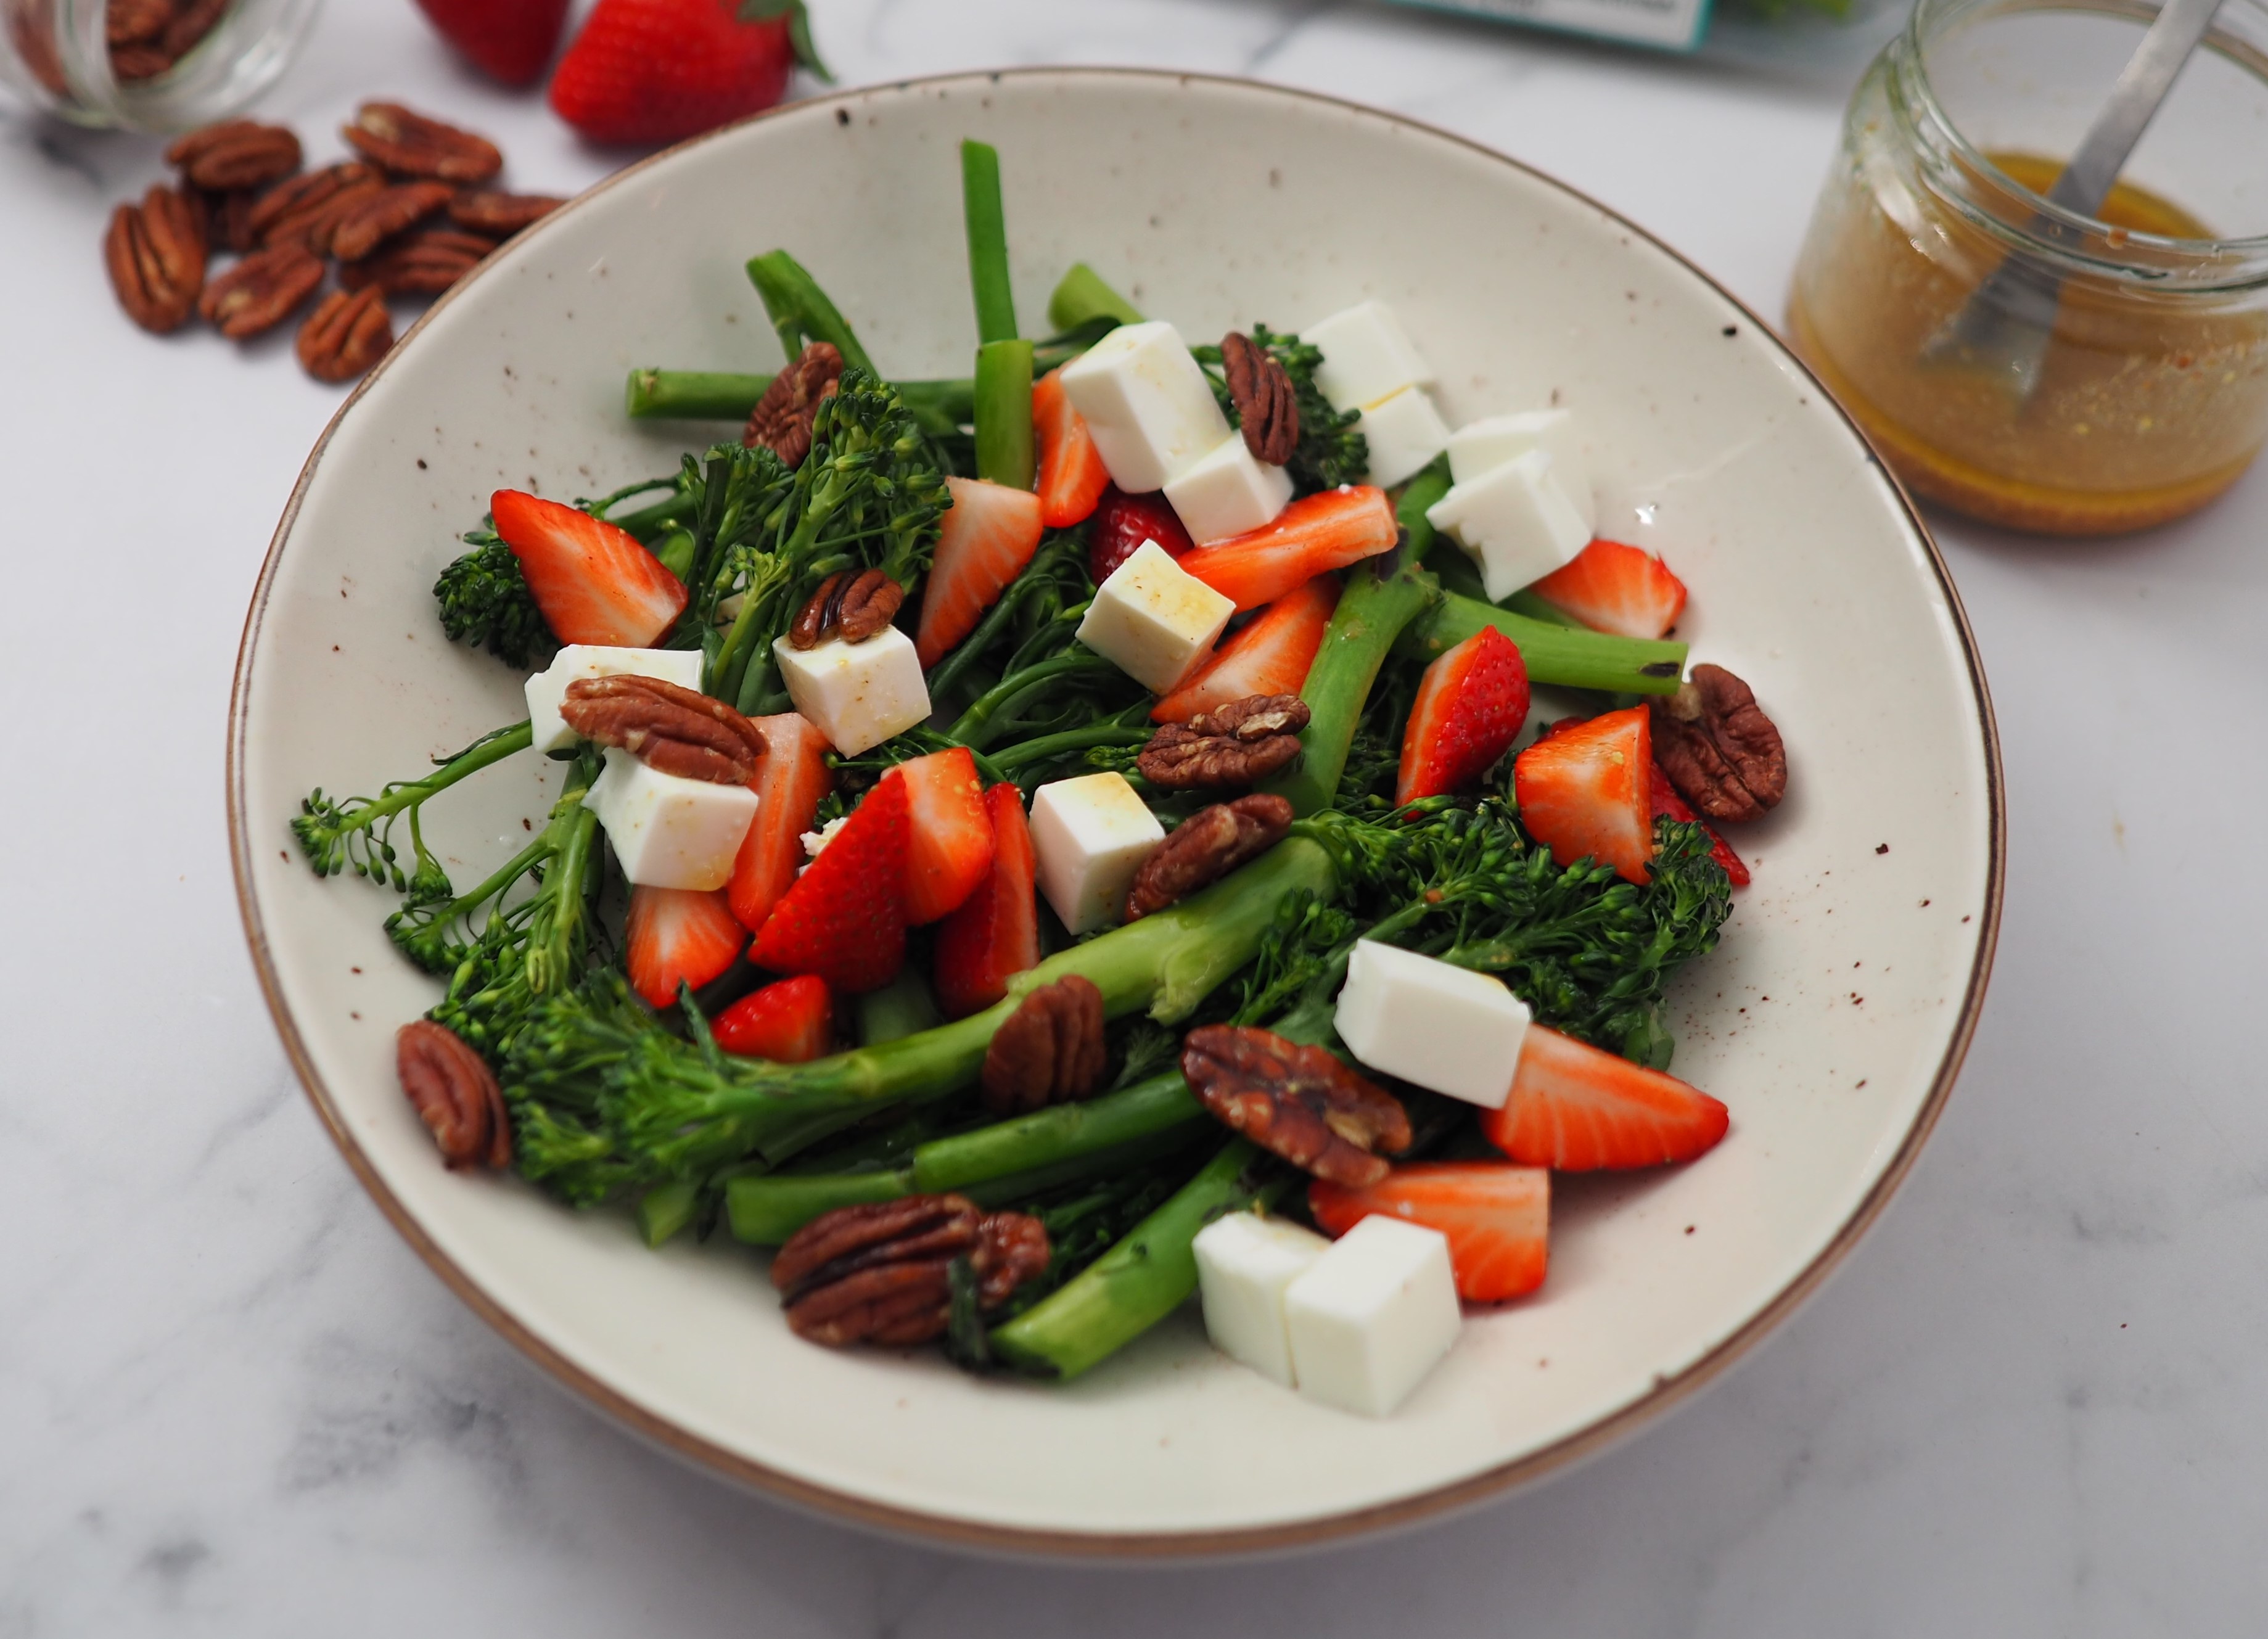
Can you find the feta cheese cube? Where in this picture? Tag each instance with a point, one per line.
(1403, 432)
(856, 694)
(670, 832)
(1090, 834)
(1147, 403)
(1429, 1021)
(1229, 492)
(1244, 1263)
(1367, 357)
(1153, 618)
(1516, 521)
(1372, 1316)
(546, 689)
(1477, 447)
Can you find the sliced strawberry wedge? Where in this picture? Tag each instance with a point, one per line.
(1470, 708)
(1578, 1109)
(1497, 1218)
(791, 1022)
(594, 582)
(1323, 532)
(1072, 476)
(1123, 522)
(949, 841)
(1614, 588)
(791, 779)
(1269, 656)
(677, 935)
(989, 534)
(1668, 805)
(994, 935)
(1586, 788)
(845, 918)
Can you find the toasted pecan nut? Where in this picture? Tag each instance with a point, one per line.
(192, 22)
(134, 22)
(155, 254)
(408, 144)
(1260, 389)
(1049, 1051)
(380, 215)
(454, 1093)
(1300, 1102)
(852, 603)
(484, 211)
(347, 332)
(260, 291)
(1206, 847)
(1240, 744)
(1718, 747)
(675, 730)
(781, 420)
(424, 262)
(307, 208)
(132, 64)
(225, 217)
(881, 1272)
(238, 153)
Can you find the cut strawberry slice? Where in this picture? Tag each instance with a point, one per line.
(989, 534)
(1668, 805)
(1614, 588)
(845, 918)
(1587, 788)
(1269, 656)
(1072, 476)
(1470, 708)
(1324, 531)
(1578, 1109)
(791, 779)
(1497, 1218)
(949, 839)
(791, 1022)
(594, 582)
(994, 935)
(1123, 522)
(678, 935)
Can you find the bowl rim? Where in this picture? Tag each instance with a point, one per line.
(1668, 1390)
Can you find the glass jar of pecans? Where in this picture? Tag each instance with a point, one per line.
(147, 65)
(2150, 394)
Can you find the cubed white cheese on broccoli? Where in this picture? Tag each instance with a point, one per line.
(1372, 1316)
(1515, 521)
(1153, 618)
(547, 688)
(1367, 357)
(1090, 835)
(1402, 431)
(1147, 404)
(1478, 446)
(1244, 1263)
(1432, 1022)
(856, 694)
(1227, 492)
(668, 831)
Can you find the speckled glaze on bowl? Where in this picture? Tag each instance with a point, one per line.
(1832, 1019)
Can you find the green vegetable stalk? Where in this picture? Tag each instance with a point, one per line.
(1004, 364)
(1082, 298)
(801, 311)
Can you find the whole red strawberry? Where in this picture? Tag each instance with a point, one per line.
(508, 40)
(658, 70)
(1123, 522)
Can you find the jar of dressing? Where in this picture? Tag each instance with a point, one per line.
(147, 65)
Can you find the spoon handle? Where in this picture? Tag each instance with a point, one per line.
(2142, 87)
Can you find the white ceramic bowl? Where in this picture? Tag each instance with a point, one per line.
(1831, 1020)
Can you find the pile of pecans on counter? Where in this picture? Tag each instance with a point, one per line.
(410, 217)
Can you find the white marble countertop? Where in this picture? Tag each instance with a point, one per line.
(232, 1402)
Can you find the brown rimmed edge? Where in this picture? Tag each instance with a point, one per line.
(1099, 1546)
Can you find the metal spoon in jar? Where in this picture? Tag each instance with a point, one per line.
(2004, 326)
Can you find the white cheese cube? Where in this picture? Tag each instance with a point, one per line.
(1244, 1263)
(856, 694)
(670, 832)
(1090, 834)
(1429, 1021)
(1153, 618)
(1367, 357)
(1515, 521)
(1229, 492)
(1403, 432)
(1372, 1316)
(1477, 447)
(546, 689)
(1148, 405)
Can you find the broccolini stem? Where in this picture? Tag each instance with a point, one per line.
(1372, 612)
(801, 311)
(987, 243)
(974, 727)
(1571, 656)
(1024, 753)
(1083, 297)
(692, 394)
(330, 834)
(666, 1209)
(1004, 414)
(1526, 602)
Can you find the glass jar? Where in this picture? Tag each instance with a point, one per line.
(182, 63)
(2151, 395)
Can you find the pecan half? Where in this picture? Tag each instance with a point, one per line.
(1049, 1051)
(408, 144)
(192, 22)
(422, 263)
(131, 64)
(503, 215)
(1718, 747)
(783, 417)
(347, 332)
(134, 22)
(238, 153)
(1299, 1101)
(852, 603)
(225, 217)
(1260, 389)
(882, 1273)
(306, 209)
(454, 1093)
(155, 254)
(1206, 847)
(675, 730)
(260, 291)
(383, 214)
(1239, 744)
